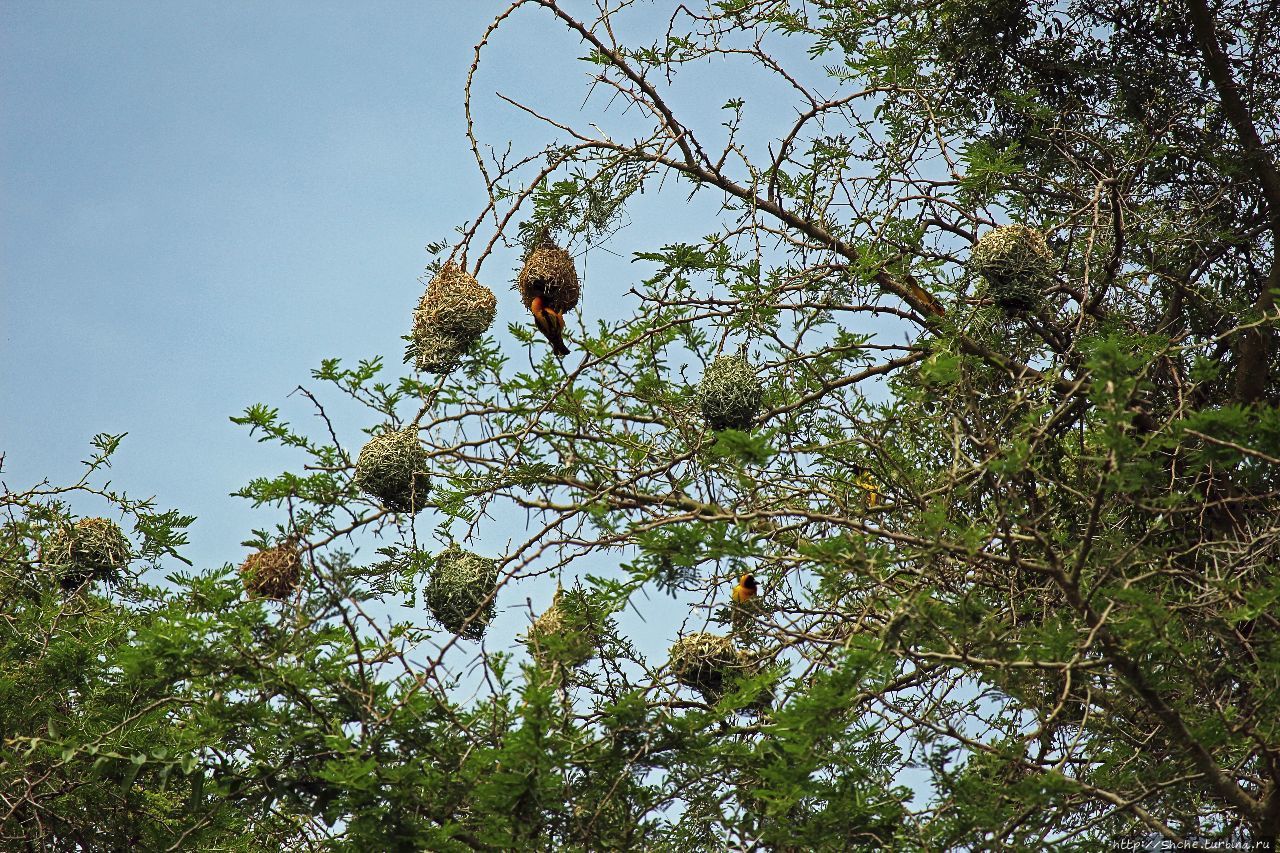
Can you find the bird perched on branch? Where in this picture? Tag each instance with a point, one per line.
(550, 322)
(746, 605)
(746, 589)
(863, 479)
(924, 297)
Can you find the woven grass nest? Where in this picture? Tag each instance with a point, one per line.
(91, 549)
(1016, 263)
(549, 272)
(730, 393)
(453, 313)
(393, 467)
(706, 662)
(459, 586)
(568, 632)
(272, 572)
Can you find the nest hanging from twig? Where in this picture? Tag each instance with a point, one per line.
(549, 272)
(705, 662)
(1016, 263)
(568, 632)
(91, 549)
(460, 592)
(730, 393)
(454, 312)
(393, 467)
(273, 572)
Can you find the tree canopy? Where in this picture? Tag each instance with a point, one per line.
(973, 367)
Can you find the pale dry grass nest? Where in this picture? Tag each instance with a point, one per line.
(730, 393)
(91, 549)
(454, 312)
(705, 662)
(1017, 265)
(272, 572)
(568, 633)
(549, 272)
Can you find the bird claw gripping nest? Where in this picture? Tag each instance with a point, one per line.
(548, 272)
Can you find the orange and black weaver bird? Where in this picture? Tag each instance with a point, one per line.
(746, 589)
(550, 322)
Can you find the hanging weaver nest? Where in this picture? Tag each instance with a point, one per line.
(273, 572)
(705, 662)
(730, 393)
(568, 633)
(549, 272)
(91, 549)
(1017, 264)
(452, 315)
(460, 584)
(393, 468)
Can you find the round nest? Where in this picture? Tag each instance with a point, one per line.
(91, 549)
(549, 272)
(1016, 262)
(393, 468)
(705, 662)
(452, 315)
(730, 393)
(568, 633)
(272, 572)
(458, 589)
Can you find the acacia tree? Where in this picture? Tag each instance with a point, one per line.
(994, 314)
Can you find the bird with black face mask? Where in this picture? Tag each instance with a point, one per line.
(746, 607)
(746, 589)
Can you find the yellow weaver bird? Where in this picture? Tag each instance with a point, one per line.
(924, 297)
(746, 589)
(863, 480)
